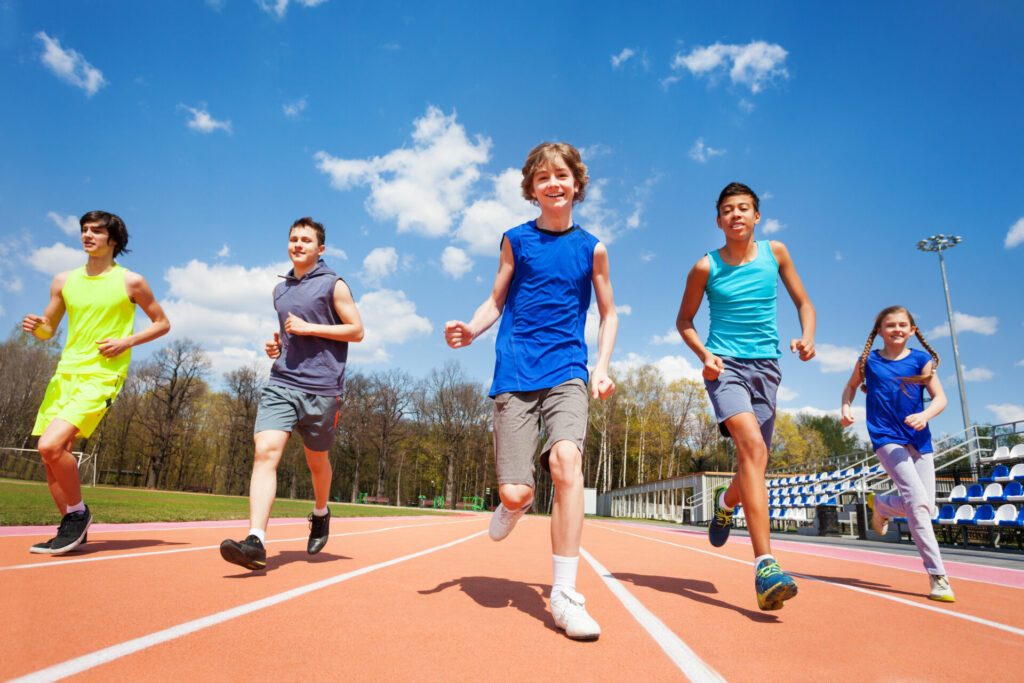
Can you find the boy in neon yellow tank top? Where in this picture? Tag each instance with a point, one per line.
(741, 367)
(100, 299)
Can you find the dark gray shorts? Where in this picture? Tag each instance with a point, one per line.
(313, 416)
(746, 385)
(517, 417)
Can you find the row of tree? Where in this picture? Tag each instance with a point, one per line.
(399, 437)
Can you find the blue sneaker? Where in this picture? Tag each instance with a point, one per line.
(773, 585)
(721, 521)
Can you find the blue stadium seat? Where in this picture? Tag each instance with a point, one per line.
(999, 473)
(947, 515)
(985, 516)
(1014, 492)
(975, 493)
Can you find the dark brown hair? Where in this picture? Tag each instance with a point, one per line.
(307, 222)
(117, 232)
(734, 189)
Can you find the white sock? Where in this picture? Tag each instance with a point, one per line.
(259, 533)
(721, 502)
(320, 512)
(759, 558)
(78, 507)
(564, 571)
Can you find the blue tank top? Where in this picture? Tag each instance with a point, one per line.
(742, 301)
(540, 340)
(313, 365)
(887, 405)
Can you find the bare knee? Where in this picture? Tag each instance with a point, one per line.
(266, 456)
(515, 496)
(51, 449)
(565, 463)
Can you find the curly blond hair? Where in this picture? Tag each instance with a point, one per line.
(551, 151)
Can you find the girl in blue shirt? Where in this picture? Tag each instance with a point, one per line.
(894, 379)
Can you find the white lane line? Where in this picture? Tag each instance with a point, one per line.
(884, 596)
(121, 556)
(109, 654)
(695, 668)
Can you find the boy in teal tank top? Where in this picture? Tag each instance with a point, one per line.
(100, 299)
(741, 367)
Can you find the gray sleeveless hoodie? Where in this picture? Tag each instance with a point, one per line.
(310, 364)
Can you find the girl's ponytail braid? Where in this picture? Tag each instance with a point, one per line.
(863, 361)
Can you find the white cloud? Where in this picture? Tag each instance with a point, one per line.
(753, 65)
(56, 258)
(839, 255)
(486, 220)
(379, 263)
(224, 252)
(1015, 235)
(639, 198)
(389, 317)
(216, 5)
(702, 153)
(423, 187)
(68, 224)
(986, 325)
(1020, 363)
(771, 226)
(590, 152)
(292, 110)
(646, 256)
(455, 262)
(786, 394)
(598, 218)
(766, 195)
(10, 281)
(593, 323)
(670, 338)
(204, 123)
(859, 426)
(978, 374)
(621, 58)
(1007, 412)
(671, 368)
(278, 8)
(833, 358)
(229, 358)
(70, 66)
(334, 252)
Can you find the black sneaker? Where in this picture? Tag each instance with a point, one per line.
(249, 553)
(44, 547)
(319, 532)
(70, 534)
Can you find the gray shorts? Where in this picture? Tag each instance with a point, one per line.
(746, 385)
(285, 409)
(517, 417)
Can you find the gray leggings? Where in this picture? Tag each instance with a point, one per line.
(913, 474)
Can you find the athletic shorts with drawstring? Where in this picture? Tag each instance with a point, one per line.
(517, 423)
(314, 417)
(746, 385)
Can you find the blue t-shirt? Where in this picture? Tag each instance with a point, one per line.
(742, 303)
(888, 405)
(540, 340)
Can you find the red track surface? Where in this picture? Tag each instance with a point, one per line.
(128, 607)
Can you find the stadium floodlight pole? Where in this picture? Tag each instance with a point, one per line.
(939, 243)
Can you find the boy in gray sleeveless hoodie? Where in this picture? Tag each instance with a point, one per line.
(317, 318)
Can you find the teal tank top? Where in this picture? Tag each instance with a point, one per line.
(742, 302)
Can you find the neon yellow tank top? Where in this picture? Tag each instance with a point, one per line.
(98, 308)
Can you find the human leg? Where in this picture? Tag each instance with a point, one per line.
(913, 474)
(515, 441)
(263, 483)
(748, 487)
(62, 478)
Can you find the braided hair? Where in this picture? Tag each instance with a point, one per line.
(915, 379)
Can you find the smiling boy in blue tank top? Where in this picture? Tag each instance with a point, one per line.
(542, 292)
(741, 367)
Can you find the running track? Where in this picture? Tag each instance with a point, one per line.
(401, 599)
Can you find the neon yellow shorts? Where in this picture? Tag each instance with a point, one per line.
(81, 400)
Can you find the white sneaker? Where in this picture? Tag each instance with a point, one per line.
(503, 521)
(567, 607)
(941, 589)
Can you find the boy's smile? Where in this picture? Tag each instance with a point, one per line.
(737, 217)
(554, 186)
(303, 247)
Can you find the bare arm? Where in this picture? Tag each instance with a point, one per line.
(849, 392)
(350, 329)
(140, 294)
(918, 421)
(458, 333)
(602, 385)
(804, 308)
(693, 294)
(45, 326)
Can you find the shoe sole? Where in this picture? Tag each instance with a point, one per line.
(942, 598)
(582, 639)
(315, 545)
(235, 556)
(718, 543)
(774, 598)
(71, 546)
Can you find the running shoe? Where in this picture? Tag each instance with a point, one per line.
(503, 521)
(879, 523)
(773, 585)
(249, 553)
(319, 532)
(941, 589)
(70, 534)
(721, 521)
(569, 610)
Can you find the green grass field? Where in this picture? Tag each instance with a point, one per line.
(29, 503)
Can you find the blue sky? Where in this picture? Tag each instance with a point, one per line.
(210, 126)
